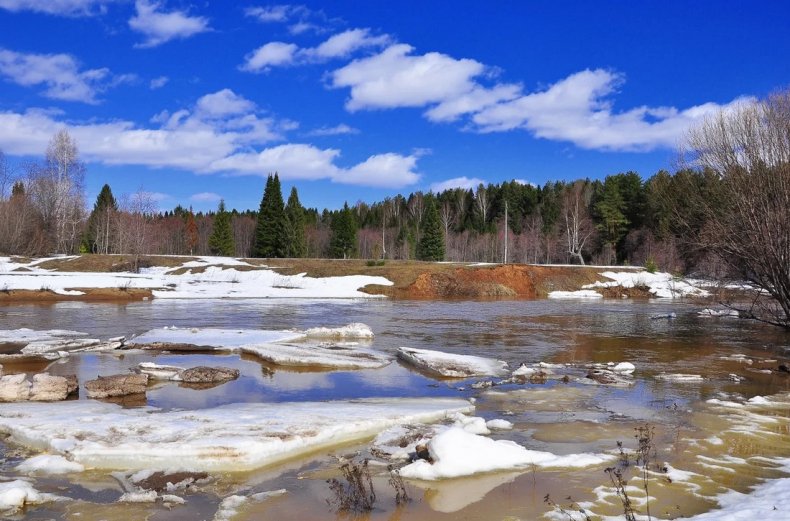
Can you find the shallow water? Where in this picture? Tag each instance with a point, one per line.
(563, 418)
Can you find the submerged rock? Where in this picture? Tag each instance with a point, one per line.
(204, 374)
(117, 385)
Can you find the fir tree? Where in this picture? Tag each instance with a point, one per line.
(221, 240)
(431, 245)
(271, 230)
(100, 222)
(343, 243)
(297, 243)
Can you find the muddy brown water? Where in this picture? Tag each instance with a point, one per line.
(724, 447)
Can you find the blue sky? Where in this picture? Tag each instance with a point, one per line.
(196, 100)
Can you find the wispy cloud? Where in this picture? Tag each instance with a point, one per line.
(205, 197)
(334, 131)
(158, 83)
(72, 8)
(340, 45)
(60, 74)
(160, 27)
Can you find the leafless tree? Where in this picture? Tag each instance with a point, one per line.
(448, 217)
(578, 223)
(136, 224)
(748, 220)
(6, 180)
(56, 188)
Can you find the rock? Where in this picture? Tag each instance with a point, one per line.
(783, 368)
(606, 377)
(421, 452)
(14, 388)
(49, 388)
(168, 482)
(203, 374)
(117, 385)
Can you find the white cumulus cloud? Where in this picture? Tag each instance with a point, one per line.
(60, 74)
(457, 182)
(337, 130)
(160, 27)
(158, 83)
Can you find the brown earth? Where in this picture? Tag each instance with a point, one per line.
(412, 279)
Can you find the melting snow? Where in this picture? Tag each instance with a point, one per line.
(582, 293)
(16, 494)
(48, 464)
(216, 280)
(662, 285)
(457, 453)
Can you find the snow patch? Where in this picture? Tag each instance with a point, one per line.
(49, 464)
(580, 294)
(457, 453)
(14, 495)
(662, 285)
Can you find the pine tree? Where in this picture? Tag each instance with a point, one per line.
(297, 243)
(271, 230)
(343, 243)
(100, 222)
(221, 240)
(431, 245)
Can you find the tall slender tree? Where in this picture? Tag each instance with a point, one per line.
(271, 230)
(221, 240)
(297, 242)
(431, 244)
(343, 244)
(101, 223)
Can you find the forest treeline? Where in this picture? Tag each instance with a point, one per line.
(622, 219)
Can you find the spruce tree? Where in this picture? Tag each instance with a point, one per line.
(100, 222)
(271, 230)
(221, 240)
(343, 243)
(431, 245)
(297, 243)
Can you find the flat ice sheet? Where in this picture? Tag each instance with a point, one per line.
(452, 365)
(237, 437)
(213, 337)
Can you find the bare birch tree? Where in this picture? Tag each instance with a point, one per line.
(578, 223)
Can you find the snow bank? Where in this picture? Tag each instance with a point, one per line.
(662, 285)
(451, 365)
(766, 501)
(457, 453)
(217, 278)
(236, 437)
(48, 464)
(16, 494)
(582, 293)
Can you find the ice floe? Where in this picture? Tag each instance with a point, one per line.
(230, 506)
(49, 464)
(15, 494)
(580, 294)
(707, 312)
(662, 285)
(353, 330)
(234, 437)
(276, 347)
(456, 453)
(451, 365)
(680, 377)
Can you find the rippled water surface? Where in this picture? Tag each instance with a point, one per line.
(554, 416)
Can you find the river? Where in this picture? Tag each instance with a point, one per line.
(691, 433)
